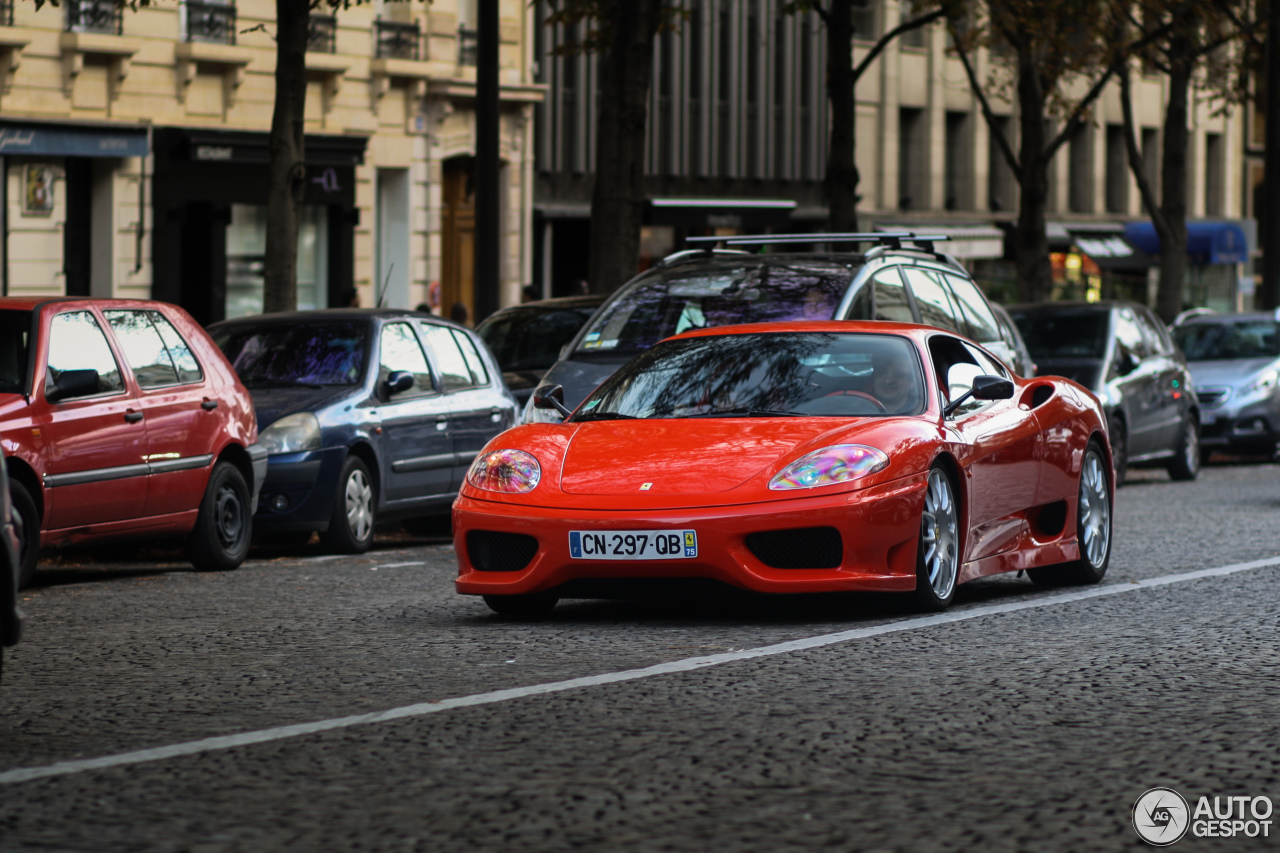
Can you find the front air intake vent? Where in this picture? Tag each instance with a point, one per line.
(801, 548)
(490, 551)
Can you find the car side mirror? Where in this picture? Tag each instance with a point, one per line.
(550, 397)
(399, 380)
(1126, 363)
(73, 383)
(992, 388)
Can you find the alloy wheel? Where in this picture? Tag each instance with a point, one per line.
(940, 535)
(359, 498)
(1094, 510)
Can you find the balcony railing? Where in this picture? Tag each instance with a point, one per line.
(214, 22)
(468, 46)
(396, 40)
(6, 13)
(322, 34)
(95, 16)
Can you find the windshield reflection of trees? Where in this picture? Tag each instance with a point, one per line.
(808, 373)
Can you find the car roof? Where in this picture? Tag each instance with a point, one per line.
(873, 327)
(1075, 306)
(1220, 319)
(327, 314)
(591, 300)
(30, 303)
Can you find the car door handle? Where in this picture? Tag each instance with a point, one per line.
(209, 405)
(442, 423)
(495, 415)
(131, 416)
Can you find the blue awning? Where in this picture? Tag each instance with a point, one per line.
(72, 140)
(1207, 242)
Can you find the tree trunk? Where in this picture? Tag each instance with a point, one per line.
(1031, 243)
(1171, 224)
(288, 158)
(842, 170)
(617, 203)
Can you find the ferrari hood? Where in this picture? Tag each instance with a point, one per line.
(680, 456)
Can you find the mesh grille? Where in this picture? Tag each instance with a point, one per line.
(490, 551)
(802, 548)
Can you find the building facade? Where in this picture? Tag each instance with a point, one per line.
(134, 149)
(738, 113)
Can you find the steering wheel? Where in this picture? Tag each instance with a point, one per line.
(850, 393)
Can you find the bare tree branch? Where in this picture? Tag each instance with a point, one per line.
(1131, 146)
(904, 27)
(1005, 148)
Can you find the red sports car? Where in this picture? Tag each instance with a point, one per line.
(793, 457)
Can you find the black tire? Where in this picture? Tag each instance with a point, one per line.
(1185, 464)
(1093, 527)
(28, 533)
(938, 554)
(1119, 448)
(523, 606)
(224, 527)
(351, 525)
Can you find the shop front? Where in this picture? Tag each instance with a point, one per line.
(210, 202)
(1217, 251)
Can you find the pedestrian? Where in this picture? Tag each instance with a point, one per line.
(530, 293)
(458, 313)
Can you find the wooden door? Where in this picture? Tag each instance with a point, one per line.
(457, 282)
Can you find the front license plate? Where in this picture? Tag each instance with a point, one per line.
(632, 544)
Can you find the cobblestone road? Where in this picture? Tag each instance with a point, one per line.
(1028, 730)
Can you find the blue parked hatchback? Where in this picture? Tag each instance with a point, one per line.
(368, 415)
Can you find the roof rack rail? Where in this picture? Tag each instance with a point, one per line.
(888, 239)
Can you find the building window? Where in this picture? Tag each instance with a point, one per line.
(396, 40)
(1001, 189)
(468, 32)
(912, 165)
(246, 258)
(1080, 171)
(864, 20)
(94, 16)
(211, 22)
(1213, 174)
(958, 174)
(6, 13)
(919, 37)
(1151, 160)
(1117, 170)
(322, 33)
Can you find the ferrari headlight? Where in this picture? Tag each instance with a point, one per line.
(511, 471)
(839, 463)
(291, 434)
(1263, 383)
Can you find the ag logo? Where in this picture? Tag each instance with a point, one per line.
(1161, 817)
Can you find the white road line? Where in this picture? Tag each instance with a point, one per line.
(400, 565)
(177, 750)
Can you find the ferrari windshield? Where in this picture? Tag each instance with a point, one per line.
(1226, 341)
(765, 375)
(316, 353)
(720, 293)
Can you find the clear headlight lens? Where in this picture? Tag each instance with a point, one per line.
(513, 472)
(839, 463)
(1265, 382)
(291, 434)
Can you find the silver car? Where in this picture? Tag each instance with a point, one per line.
(1235, 365)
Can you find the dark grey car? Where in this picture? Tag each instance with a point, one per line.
(1122, 353)
(696, 289)
(526, 339)
(367, 415)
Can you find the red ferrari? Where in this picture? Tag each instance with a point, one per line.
(788, 458)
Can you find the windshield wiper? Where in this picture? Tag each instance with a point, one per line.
(746, 413)
(603, 416)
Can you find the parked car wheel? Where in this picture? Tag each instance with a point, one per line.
(527, 606)
(351, 527)
(938, 555)
(1119, 448)
(224, 526)
(1185, 464)
(28, 534)
(1093, 528)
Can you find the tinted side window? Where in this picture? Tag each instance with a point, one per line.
(143, 347)
(188, 367)
(449, 359)
(860, 308)
(479, 374)
(401, 351)
(936, 307)
(891, 297)
(978, 316)
(76, 342)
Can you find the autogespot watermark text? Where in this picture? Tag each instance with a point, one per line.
(1162, 816)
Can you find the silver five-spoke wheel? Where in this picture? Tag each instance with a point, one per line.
(1095, 510)
(939, 560)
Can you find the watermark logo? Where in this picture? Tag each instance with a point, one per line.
(1161, 817)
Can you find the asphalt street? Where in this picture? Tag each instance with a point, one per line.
(1032, 720)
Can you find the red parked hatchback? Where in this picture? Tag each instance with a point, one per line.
(119, 419)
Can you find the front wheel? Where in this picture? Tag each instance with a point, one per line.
(351, 526)
(524, 606)
(1093, 528)
(28, 532)
(1185, 464)
(938, 555)
(224, 525)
